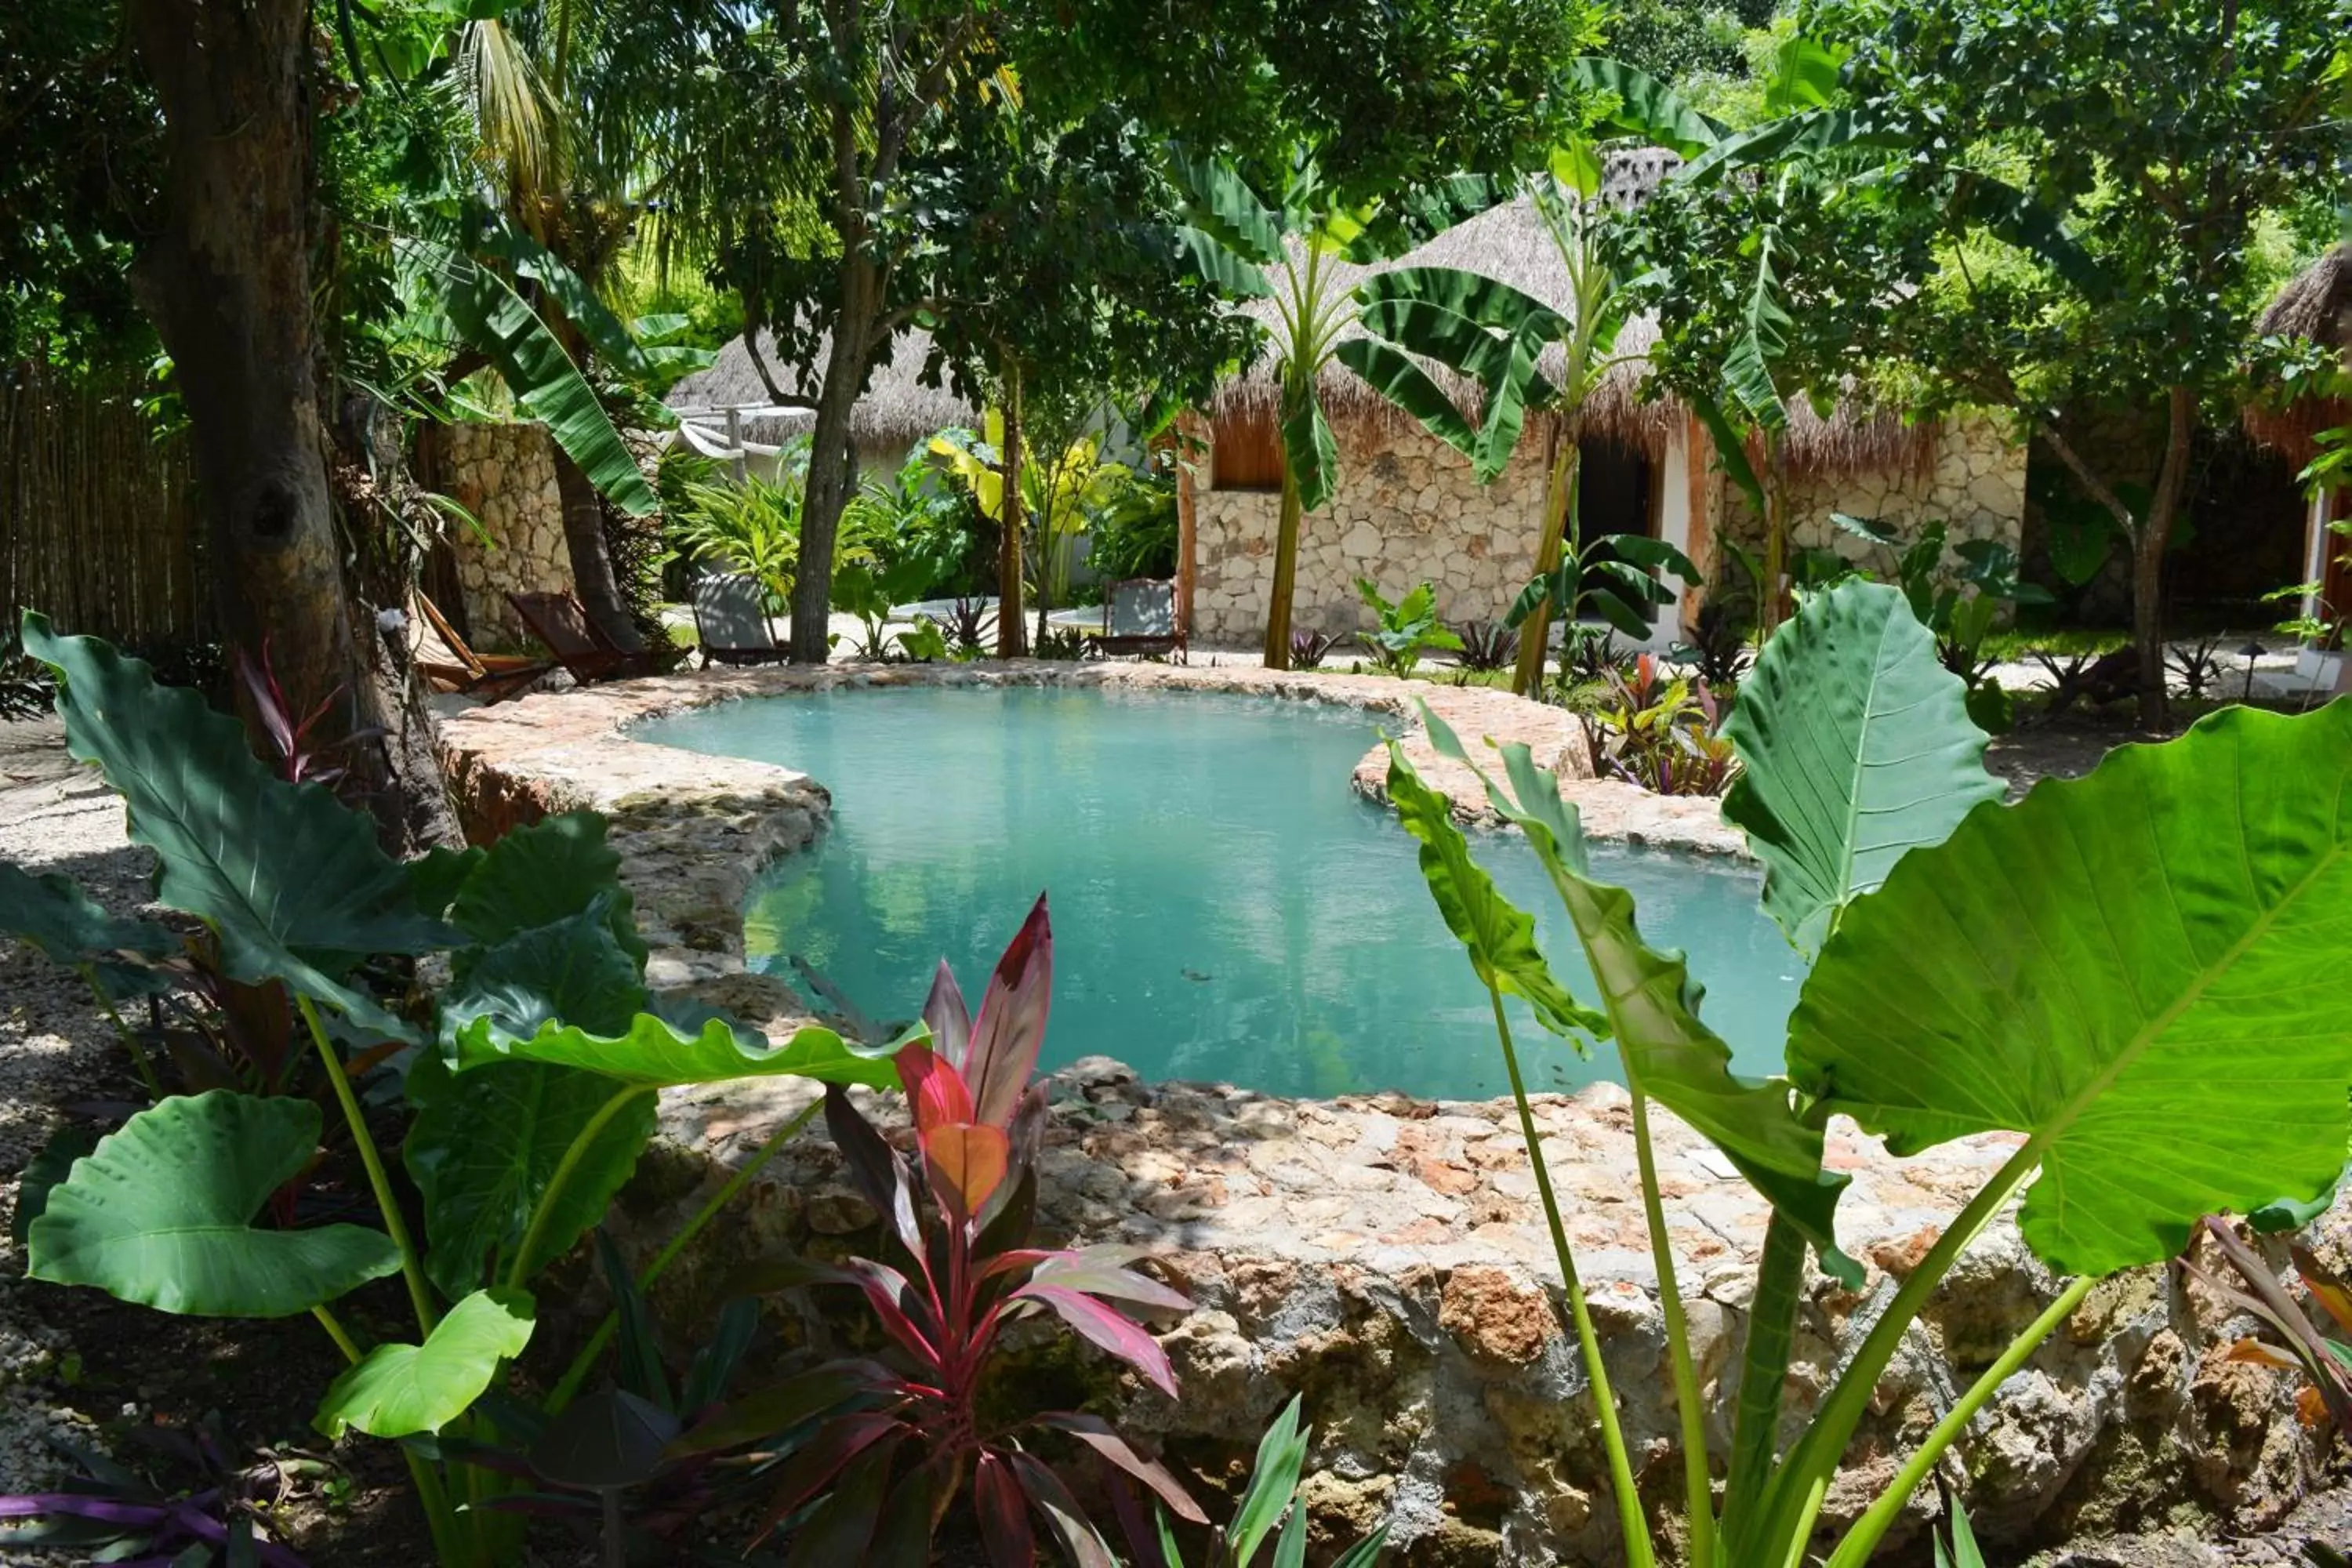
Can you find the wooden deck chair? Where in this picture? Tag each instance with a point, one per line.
(731, 620)
(1139, 618)
(560, 621)
(449, 665)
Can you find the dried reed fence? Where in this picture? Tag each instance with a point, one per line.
(97, 525)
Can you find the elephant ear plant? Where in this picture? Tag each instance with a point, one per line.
(895, 1438)
(2154, 947)
(533, 1095)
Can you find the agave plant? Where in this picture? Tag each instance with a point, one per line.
(898, 1436)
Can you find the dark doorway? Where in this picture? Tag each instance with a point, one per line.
(1613, 491)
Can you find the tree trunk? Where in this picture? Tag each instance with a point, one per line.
(1286, 576)
(1776, 541)
(2149, 542)
(592, 560)
(833, 465)
(226, 280)
(1535, 632)
(1011, 640)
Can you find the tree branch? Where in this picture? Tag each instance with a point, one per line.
(2099, 488)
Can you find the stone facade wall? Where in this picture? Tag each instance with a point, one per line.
(1408, 510)
(504, 475)
(1977, 486)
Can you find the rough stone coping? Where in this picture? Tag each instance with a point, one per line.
(1385, 1254)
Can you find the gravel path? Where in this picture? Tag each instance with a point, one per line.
(54, 1050)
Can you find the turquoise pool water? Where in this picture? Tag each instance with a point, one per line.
(1225, 907)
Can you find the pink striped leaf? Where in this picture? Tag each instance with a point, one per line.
(1003, 1514)
(1010, 1029)
(1108, 1327)
(1096, 1434)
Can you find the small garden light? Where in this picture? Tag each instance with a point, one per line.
(2250, 652)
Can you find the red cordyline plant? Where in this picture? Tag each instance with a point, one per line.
(894, 1439)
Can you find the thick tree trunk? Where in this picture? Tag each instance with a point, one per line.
(592, 561)
(832, 463)
(226, 278)
(1012, 641)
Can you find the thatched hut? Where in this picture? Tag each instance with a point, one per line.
(1409, 508)
(2315, 306)
(895, 411)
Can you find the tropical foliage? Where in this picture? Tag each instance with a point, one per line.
(1404, 630)
(533, 1088)
(1886, 853)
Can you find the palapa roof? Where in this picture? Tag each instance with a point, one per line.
(2315, 305)
(897, 409)
(1511, 244)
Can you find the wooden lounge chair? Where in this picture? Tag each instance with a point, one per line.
(731, 620)
(1140, 619)
(449, 665)
(560, 621)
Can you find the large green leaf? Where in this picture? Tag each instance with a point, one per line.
(290, 878)
(1311, 450)
(496, 320)
(657, 1053)
(1645, 106)
(396, 1391)
(573, 972)
(485, 1144)
(1856, 747)
(1762, 339)
(1794, 139)
(1499, 936)
(603, 330)
(543, 873)
(1394, 375)
(1730, 451)
(1482, 300)
(161, 1214)
(2141, 970)
(55, 915)
(1230, 271)
(1223, 206)
(1653, 1014)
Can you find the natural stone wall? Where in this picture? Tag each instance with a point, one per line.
(1385, 1257)
(1977, 484)
(1408, 509)
(504, 475)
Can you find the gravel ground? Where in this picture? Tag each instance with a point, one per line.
(54, 1050)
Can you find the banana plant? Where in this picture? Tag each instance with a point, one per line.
(534, 1087)
(2181, 905)
(1290, 250)
(1495, 335)
(1794, 154)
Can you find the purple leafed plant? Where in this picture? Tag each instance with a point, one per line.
(112, 1513)
(892, 1440)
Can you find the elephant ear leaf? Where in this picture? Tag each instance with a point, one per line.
(55, 915)
(397, 1391)
(2141, 970)
(1498, 935)
(655, 1053)
(1856, 747)
(1653, 1016)
(291, 880)
(161, 1214)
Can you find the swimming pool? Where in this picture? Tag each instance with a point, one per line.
(1225, 906)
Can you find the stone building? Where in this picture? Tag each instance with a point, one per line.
(1409, 508)
(504, 476)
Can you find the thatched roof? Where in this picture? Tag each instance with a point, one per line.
(1510, 243)
(2315, 305)
(897, 410)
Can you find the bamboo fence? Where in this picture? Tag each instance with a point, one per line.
(97, 525)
